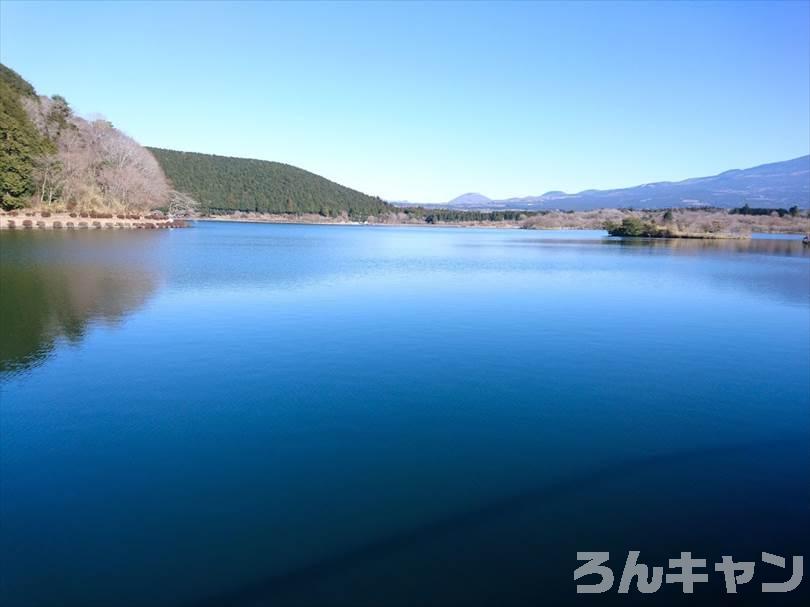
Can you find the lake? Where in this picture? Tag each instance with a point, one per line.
(246, 414)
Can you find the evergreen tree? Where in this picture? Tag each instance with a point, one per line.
(20, 142)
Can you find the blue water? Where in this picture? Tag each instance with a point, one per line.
(342, 415)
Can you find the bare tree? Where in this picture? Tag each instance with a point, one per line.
(182, 205)
(95, 165)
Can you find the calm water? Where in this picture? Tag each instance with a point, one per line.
(318, 415)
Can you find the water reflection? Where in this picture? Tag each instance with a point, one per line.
(771, 268)
(788, 247)
(54, 287)
(768, 244)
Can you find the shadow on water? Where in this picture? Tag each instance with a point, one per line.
(55, 286)
(495, 554)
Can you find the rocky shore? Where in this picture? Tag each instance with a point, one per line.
(45, 220)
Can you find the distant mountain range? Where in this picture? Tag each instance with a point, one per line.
(774, 185)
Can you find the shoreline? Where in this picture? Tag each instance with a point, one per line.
(30, 220)
(285, 220)
(27, 220)
(309, 220)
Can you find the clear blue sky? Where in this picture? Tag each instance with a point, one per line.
(427, 101)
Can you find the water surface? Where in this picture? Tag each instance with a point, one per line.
(341, 415)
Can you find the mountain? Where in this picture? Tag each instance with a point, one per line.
(775, 185)
(469, 199)
(223, 183)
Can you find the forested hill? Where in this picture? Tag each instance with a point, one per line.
(222, 183)
(52, 159)
(21, 144)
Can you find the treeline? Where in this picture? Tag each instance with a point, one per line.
(460, 216)
(223, 184)
(747, 210)
(53, 159)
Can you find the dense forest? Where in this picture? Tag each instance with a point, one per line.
(21, 144)
(54, 160)
(225, 184)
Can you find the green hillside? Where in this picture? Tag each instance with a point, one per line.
(20, 142)
(222, 183)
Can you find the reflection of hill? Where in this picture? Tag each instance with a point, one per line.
(44, 300)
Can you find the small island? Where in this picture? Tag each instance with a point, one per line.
(710, 223)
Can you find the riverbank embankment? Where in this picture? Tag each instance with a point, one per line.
(45, 220)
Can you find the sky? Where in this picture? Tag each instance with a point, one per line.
(423, 102)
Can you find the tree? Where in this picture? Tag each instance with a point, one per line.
(182, 205)
(20, 141)
(633, 227)
(49, 175)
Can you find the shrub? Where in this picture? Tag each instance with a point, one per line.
(633, 227)
(28, 224)
(12, 225)
(82, 225)
(97, 225)
(41, 225)
(57, 225)
(45, 214)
